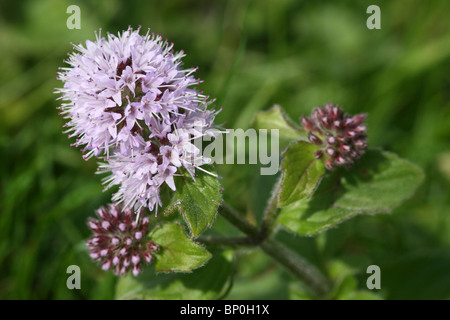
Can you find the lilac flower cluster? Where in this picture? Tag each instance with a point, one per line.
(340, 137)
(119, 242)
(128, 101)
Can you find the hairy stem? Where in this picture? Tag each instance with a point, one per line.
(236, 219)
(271, 213)
(299, 267)
(227, 242)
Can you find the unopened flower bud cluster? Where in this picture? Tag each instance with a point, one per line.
(341, 139)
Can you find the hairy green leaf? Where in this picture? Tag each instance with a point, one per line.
(209, 282)
(177, 251)
(302, 173)
(276, 118)
(197, 200)
(378, 183)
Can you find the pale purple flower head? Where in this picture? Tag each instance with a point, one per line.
(120, 241)
(141, 177)
(129, 102)
(116, 88)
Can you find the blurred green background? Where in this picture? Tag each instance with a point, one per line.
(251, 54)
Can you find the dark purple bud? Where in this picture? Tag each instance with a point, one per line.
(335, 113)
(330, 151)
(336, 125)
(102, 213)
(360, 143)
(116, 260)
(147, 256)
(128, 241)
(152, 246)
(105, 252)
(319, 113)
(115, 241)
(307, 125)
(124, 251)
(347, 123)
(93, 225)
(331, 140)
(106, 265)
(113, 211)
(350, 133)
(314, 139)
(135, 258)
(318, 154)
(329, 164)
(145, 222)
(339, 160)
(326, 123)
(344, 148)
(99, 241)
(95, 255)
(136, 270)
(341, 138)
(106, 225)
(122, 227)
(358, 119)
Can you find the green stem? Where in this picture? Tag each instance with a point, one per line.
(227, 242)
(239, 222)
(299, 267)
(271, 213)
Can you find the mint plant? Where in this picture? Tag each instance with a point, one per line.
(129, 102)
